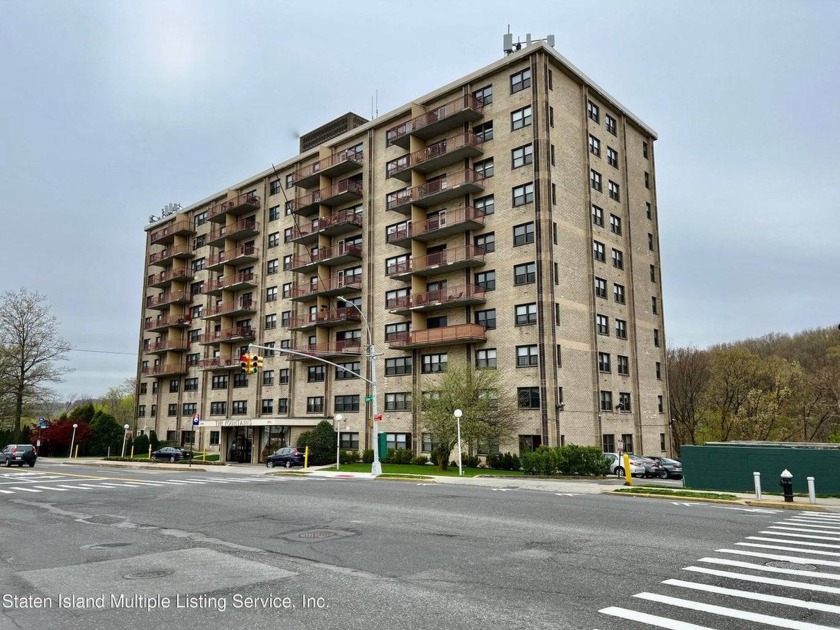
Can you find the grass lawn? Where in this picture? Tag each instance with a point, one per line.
(678, 493)
(412, 469)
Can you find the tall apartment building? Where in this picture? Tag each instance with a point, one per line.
(507, 220)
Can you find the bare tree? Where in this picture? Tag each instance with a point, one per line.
(30, 347)
(688, 380)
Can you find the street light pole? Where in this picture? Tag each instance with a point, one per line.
(125, 434)
(376, 468)
(337, 422)
(72, 440)
(458, 413)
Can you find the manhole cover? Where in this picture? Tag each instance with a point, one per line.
(792, 565)
(316, 535)
(152, 574)
(105, 519)
(105, 545)
(321, 534)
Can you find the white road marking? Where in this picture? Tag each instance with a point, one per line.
(801, 528)
(792, 542)
(6, 492)
(25, 489)
(57, 489)
(780, 548)
(685, 503)
(835, 538)
(659, 622)
(773, 556)
(760, 579)
(72, 487)
(762, 567)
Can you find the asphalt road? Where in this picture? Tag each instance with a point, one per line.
(119, 549)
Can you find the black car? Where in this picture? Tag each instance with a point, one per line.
(171, 454)
(288, 457)
(668, 468)
(19, 454)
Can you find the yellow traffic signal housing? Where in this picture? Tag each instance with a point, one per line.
(259, 362)
(245, 362)
(255, 363)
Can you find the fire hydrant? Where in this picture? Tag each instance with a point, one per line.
(787, 485)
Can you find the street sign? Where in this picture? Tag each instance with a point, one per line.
(196, 420)
(368, 398)
(378, 417)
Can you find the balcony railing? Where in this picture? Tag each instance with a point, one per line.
(336, 255)
(174, 251)
(325, 317)
(337, 164)
(340, 222)
(331, 286)
(438, 299)
(218, 363)
(238, 255)
(436, 156)
(178, 344)
(438, 262)
(165, 369)
(170, 297)
(437, 120)
(435, 191)
(167, 277)
(240, 229)
(447, 335)
(167, 234)
(239, 280)
(238, 205)
(443, 224)
(337, 194)
(239, 333)
(241, 305)
(347, 346)
(161, 323)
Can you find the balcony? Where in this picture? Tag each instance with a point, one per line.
(166, 369)
(162, 257)
(437, 300)
(344, 191)
(236, 206)
(165, 278)
(445, 223)
(166, 235)
(440, 262)
(218, 363)
(352, 347)
(340, 223)
(435, 191)
(229, 335)
(436, 120)
(333, 286)
(332, 166)
(237, 256)
(239, 280)
(241, 229)
(330, 256)
(241, 306)
(445, 336)
(164, 300)
(162, 323)
(325, 317)
(436, 156)
(178, 344)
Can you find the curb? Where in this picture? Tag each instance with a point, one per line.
(750, 502)
(807, 507)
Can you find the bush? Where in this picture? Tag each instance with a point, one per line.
(367, 456)
(420, 460)
(565, 460)
(470, 461)
(154, 442)
(399, 456)
(141, 445)
(321, 442)
(348, 457)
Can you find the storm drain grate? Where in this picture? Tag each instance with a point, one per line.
(316, 535)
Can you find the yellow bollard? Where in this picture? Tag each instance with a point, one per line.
(132, 452)
(306, 457)
(628, 475)
(76, 456)
(150, 452)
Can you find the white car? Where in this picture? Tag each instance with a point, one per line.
(637, 465)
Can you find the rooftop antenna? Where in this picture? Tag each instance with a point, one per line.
(509, 47)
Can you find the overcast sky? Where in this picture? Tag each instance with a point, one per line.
(112, 109)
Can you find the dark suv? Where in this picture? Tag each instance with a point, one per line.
(288, 457)
(19, 454)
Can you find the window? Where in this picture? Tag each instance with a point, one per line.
(522, 156)
(612, 157)
(270, 344)
(271, 294)
(645, 153)
(615, 224)
(173, 385)
(287, 208)
(523, 194)
(624, 404)
(199, 241)
(220, 381)
(618, 293)
(623, 365)
(349, 441)
(614, 194)
(398, 440)
(621, 329)
(656, 337)
(520, 118)
(272, 267)
(486, 280)
(485, 205)
(525, 274)
(240, 380)
(549, 78)
(393, 332)
(486, 318)
(618, 259)
(647, 179)
(606, 401)
(602, 324)
(599, 251)
(653, 273)
(144, 386)
(523, 234)
(600, 288)
(347, 403)
(434, 363)
(190, 384)
(141, 411)
(268, 377)
(287, 236)
(487, 242)
(528, 397)
(648, 210)
(397, 264)
(627, 441)
(153, 412)
(484, 168)
(315, 374)
(271, 321)
(484, 95)
(485, 359)
(198, 264)
(608, 443)
(274, 239)
(287, 290)
(520, 81)
(400, 401)
(348, 371)
(200, 218)
(273, 213)
(526, 314)
(239, 407)
(658, 371)
(526, 356)
(595, 180)
(274, 187)
(654, 305)
(650, 242)
(603, 362)
(592, 111)
(267, 406)
(594, 145)
(315, 404)
(597, 215)
(660, 404)
(218, 408)
(484, 131)
(610, 124)
(552, 155)
(398, 366)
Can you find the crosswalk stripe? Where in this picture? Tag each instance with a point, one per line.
(25, 489)
(659, 622)
(802, 528)
(198, 483)
(50, 488)
(6, 492)
(209, 480)
(810, 523)
(837, 538)
(760, 579)
(773, 556)
(792, 542)
(761, 597)
(780, 548)
(769, 620)
(73, 487)
(762, 567)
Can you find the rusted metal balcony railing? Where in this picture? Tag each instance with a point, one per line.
(331, 286)
(218, 363)
(239, 280)
(347, 346)
(239, 333)
(241, 305)
(238, 255)
(240, 204)
(338, 223)
(165, 369)
(341, 192)
(174, 251)
(177, 344)
(436, 120)
(447, 335)
(454, 221)
(170, 297)
(325, 317)
(336, 164)
(240, 229)
(336, 255)
(438, 299)
(172, 321)
(167, 234)
(448, 260)
(435, 191)
(167, 277)
(436, 156)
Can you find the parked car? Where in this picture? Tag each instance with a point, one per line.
(669, 468)
(171, 454)
(19, 454)
(288, 456)
(637, 466)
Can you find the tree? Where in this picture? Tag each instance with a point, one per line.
(688, 379)
(119, 402)
(106, 433)
(30, 349)
(321, 442)
(489, 412)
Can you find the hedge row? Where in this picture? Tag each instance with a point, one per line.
(565, 460)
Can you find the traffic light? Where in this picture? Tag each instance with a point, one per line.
(255, 364)
(245, 362)
(259, 362)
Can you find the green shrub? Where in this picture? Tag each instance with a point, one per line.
(367, 456)
(420, 460)
(470, 461)
(348, 457)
